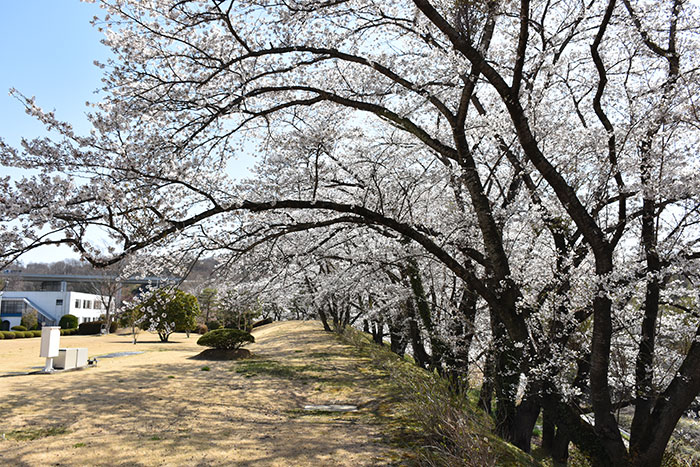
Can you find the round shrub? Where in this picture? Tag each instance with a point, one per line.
(225, 339)
(36, 333)
(201, 329)
(19, 328)
(213, 325)
(8, 334)
(68, 321)
(28, 333)
(2, 336)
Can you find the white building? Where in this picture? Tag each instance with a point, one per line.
(50, 306)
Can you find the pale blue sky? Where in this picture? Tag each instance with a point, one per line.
(47, 50)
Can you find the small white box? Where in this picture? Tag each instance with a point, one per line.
(66, 359)
(50, 337)
(81, 357)
(71, 358)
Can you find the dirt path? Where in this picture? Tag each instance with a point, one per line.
(161, 408)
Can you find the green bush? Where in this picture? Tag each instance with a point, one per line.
(2, 336)
(225, 339)
(29, 319)
(94, 327)
(213, 325)
(201, 329)
(36, 333)
(68, 321)
(8, 334)
(19, 328)
(28, 333)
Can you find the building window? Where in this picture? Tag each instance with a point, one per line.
(12, 307)
(59, 302)
(86, 303)
(77, 303)
(96, 305)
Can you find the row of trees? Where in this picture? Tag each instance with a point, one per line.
(509, 184)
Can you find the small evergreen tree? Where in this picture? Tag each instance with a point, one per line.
(68, 322)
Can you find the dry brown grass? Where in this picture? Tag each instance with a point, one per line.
(160, 408)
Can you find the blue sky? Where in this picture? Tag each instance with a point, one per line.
(47, 50)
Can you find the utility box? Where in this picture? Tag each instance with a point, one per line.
(68, 359)
(50, 337)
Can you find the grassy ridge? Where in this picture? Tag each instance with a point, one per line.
(442, 429)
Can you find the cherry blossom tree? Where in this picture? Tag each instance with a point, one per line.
(542, 155)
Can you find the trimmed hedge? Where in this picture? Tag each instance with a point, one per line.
(225, 339)
(95, 327)
(19, 334)
(69, 332)
(19, 328)
(213, 325)
(68, 321)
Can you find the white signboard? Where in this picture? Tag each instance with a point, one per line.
(50, 337)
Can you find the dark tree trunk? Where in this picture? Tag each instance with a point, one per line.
(397, 335)
(548, 430)
(422, 306)
(324, 319)
(560, 448)
(457, 360)
(507, 378)
(524, 422)
(378, 332)
(419, 354)
(644, 372)
(486, 392)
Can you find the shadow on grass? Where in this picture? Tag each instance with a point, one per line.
(236, 407)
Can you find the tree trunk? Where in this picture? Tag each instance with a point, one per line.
(560, 448)
(548, 430)
(378, 332)
(524, 422)
(506, 380)
(457, 360)
(398, 341)
(419, 354)
(486, 392)
(324, 319)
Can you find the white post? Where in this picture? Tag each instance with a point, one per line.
(50, 337)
